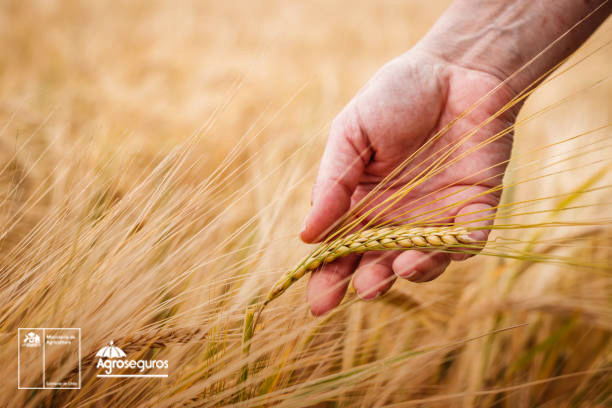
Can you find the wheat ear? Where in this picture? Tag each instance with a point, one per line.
(375, 239)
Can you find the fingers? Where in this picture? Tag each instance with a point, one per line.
(418, 266)
(376, 272)
(374, 276)
(425, 266)
(327, 286)
(343, 162)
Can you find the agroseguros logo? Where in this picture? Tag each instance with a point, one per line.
(112, 357)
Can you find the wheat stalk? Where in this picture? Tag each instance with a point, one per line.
(374, 239)
(247, 335)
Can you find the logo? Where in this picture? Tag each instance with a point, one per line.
(40, 350)
(31, 340)
(110, 352)
(112, 357)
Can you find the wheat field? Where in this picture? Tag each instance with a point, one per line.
(157, 160)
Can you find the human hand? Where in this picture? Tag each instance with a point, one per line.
(395, 114)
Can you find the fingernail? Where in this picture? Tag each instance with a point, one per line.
(408, 275)
(368, 295)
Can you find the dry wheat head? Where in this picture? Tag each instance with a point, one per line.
(375, 239)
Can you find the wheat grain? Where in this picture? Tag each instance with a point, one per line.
(375, 239)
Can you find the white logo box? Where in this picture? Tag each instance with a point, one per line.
(40, 347)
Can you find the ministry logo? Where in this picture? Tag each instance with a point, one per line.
(40, 350)
(31, 340)
(112, 357)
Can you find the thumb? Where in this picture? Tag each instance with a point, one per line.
(344, 160)
(475, 215)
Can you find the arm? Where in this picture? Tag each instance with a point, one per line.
(500, 37)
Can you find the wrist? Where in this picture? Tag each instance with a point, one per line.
(517, 41)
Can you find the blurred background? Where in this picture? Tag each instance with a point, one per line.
(82, 81)
(151, 73)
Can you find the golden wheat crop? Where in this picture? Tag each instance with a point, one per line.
(156, 163)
